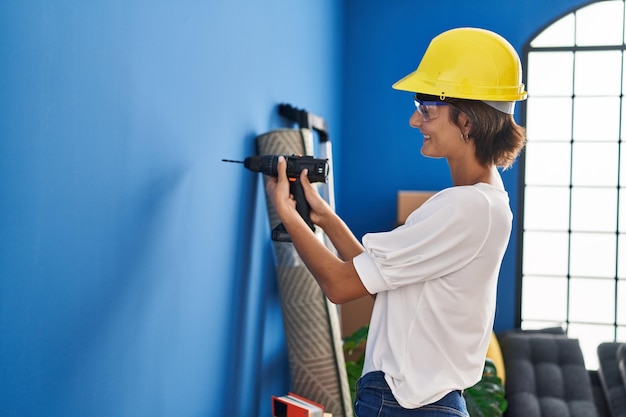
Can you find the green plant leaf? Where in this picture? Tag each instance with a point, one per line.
(355, 368)
(355, 340)
(486, 398)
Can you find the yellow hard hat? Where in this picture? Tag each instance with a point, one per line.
(468, 63)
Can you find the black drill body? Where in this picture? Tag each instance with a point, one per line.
(268, 165)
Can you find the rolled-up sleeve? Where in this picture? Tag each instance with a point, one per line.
(369, 274)
(440, 237)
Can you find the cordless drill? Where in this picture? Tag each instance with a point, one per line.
(268, 165)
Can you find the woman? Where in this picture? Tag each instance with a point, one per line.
(435, 277)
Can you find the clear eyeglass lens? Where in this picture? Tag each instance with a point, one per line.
(428, 110)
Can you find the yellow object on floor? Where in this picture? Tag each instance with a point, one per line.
(495, 354)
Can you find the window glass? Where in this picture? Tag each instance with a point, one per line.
(621, 334)
(592, 254)
(551, 73)
(623, 117)
(560, 33)
(598, 73)
(590, 336)
(594, 209)
(621, 307)
(623, 73)
(541, 324)
(545, 298)
(541, 114)
(622, 173)
(547, 163)
(545, 253)
(589, 111)
(553, 216)
(600, 23)
(592, 300)
(621, 261)
(595, 164)
(622, 214)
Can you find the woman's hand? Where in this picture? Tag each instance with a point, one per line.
(319, 207)
(278, 190)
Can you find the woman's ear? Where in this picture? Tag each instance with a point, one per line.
(464, 124)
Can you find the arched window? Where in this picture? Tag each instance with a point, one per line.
(573, 214)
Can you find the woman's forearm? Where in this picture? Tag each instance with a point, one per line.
(342, 237)
(336, 277)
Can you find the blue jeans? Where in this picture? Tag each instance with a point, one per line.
(374, 399)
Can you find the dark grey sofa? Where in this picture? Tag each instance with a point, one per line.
(612, 376)
(546, 376)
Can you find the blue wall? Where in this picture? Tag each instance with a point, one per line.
(136, 273)
(136, 270)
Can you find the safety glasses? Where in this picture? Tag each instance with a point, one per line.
(428, 109)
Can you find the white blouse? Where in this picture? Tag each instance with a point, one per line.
(435, 280)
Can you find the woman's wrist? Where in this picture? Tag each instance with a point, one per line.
(325, 220)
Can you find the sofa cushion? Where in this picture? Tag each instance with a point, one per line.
(546, 376)
(611, 378)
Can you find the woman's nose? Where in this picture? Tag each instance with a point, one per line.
(416, 119)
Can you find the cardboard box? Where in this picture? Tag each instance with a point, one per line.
(408, 201)
(354, 315)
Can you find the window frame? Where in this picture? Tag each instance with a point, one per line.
(621, 185)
